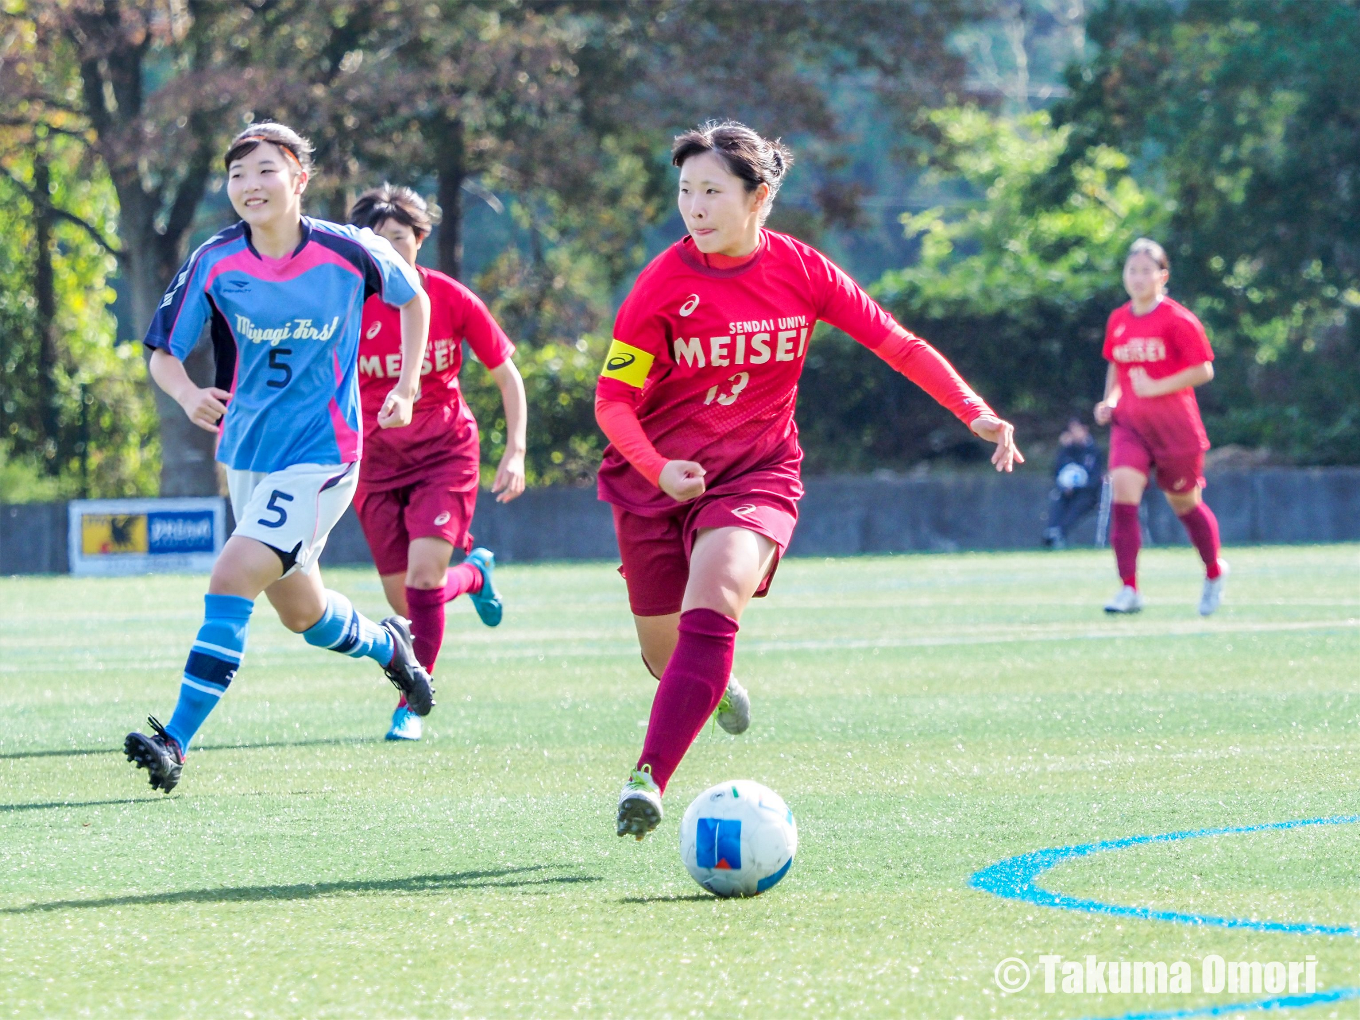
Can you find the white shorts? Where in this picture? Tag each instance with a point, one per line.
(292, 510)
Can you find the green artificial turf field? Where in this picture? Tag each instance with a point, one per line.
(924, 716)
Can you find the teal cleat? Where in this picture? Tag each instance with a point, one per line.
(486, 602)
(405, 725)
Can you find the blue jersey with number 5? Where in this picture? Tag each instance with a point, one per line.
(286, 336)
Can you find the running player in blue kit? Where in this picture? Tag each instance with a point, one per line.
(284, 295)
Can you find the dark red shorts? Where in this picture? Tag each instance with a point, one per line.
(1178, 471)
(391, 518)
(655, 550)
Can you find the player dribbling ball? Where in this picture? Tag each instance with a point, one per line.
(282, 293)
(697, 398)
(418, 486)
(1158, 353)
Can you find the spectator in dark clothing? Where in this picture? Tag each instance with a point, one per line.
(1077, 483)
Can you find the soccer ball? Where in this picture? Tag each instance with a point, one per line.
(738, 838)
(1072, 476)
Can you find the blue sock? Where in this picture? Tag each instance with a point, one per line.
(344, 629)
(213, 662)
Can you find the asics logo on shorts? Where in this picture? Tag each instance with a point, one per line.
(688, 307)
(373, 331)
(442, 519)
(747, 510)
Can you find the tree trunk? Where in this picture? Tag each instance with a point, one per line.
(187, 452)
(45, 296)
(452, 171)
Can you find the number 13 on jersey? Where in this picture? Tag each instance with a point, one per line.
(734, 385)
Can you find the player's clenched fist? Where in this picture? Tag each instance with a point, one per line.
(682, 480)
(396, 410)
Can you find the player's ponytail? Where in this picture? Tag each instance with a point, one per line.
(756, 160)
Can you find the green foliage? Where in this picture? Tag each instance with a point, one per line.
(1247, 113)
(1014, 290)
(559, 380)
(82, 416)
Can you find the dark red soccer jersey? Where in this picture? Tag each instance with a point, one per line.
(1165, 341)
(711, 360)
(442, 437)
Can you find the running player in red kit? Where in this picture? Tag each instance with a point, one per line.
(1158, 354)
(417, 494)
(697, 398)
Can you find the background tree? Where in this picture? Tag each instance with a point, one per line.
(1247, 113)
(1015, 292)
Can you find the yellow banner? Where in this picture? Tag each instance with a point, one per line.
(101, 534)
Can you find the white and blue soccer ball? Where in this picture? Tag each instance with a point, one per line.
(1072, 476)
(738, 838)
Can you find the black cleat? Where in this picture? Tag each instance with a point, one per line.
(405, 671)
(160, 755)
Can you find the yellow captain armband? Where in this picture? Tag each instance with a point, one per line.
(627, 364)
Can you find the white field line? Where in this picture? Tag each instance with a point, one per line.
(488, 648)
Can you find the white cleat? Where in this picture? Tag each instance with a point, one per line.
(1126, 600)
(1212, 594)
(734, 711)
(639, 804)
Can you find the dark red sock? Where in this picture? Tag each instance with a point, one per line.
(1126, 538)
(690, 689)
(462, 579)
(426, 608)
(1202, 527)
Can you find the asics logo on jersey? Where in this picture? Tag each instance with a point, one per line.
(619, 361)
(373, 331)
(747, 510)
(296, 329)
(442, 519)
(688, 307)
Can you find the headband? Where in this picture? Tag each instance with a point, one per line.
(285, 146)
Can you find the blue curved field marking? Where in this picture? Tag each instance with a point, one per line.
(1260, 1006)
(1016, 878)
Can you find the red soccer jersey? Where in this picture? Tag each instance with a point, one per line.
(1165, 341)
(711, 360)
(442, 437)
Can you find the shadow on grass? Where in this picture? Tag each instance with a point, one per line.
(692, 897)
(53, 804)
(78, 751)
(502, 878)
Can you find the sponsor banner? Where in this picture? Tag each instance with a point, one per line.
(145, 536)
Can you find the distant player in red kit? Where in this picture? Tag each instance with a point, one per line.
(417, 494)
(1158, 354)
(697, 398)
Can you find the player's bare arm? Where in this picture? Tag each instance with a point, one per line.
(509, 481)
(205, 405)
(1104, 410)
(415, 330)
(1187, 378)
